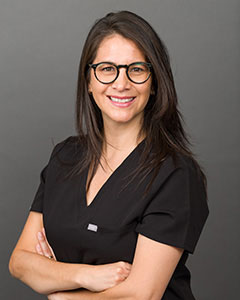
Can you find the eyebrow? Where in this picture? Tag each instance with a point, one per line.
(111, 62)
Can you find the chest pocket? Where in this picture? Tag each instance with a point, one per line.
(105, 245)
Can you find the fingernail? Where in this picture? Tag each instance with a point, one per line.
(40, 235)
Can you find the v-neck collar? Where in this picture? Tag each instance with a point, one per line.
(109, 179)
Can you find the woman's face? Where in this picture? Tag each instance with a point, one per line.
(119, 50)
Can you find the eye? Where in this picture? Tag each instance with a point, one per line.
(137, 70)
(107, 69)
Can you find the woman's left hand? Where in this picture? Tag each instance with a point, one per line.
(43, 247)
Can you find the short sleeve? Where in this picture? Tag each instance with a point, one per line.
(177, 213)
(37, 204)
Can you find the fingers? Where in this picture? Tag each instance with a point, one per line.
(39, 249)
(51, 250)
(43, 244)
(121, 275)
(123, 271)
(128, 266)
(42, 247)
(124, 265)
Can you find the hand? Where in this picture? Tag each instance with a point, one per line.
(97, 277)
(102, 277)
(57, 296)
(43, 247)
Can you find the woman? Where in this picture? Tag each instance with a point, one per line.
(124, 202)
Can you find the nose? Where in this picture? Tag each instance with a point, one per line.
(122, 82)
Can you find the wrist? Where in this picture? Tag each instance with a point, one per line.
(83, 276)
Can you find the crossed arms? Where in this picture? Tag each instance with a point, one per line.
(147, 278)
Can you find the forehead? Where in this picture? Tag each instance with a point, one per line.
(118, 49)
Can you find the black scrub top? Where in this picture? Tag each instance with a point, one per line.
(173, 212)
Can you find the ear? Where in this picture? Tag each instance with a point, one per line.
(89, 88)
(152, 90)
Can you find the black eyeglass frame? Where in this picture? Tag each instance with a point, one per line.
(94, 67)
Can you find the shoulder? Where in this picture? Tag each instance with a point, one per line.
(70, 149)
(181, 186)
(180, 167)
(187, 178)
(190, 168)
(181, 161)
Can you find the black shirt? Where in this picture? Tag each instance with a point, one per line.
(173, 212)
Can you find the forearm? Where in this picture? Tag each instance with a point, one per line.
(44, 275)
(121, 291)
(87, 295)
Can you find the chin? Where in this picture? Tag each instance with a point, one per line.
(122, 118)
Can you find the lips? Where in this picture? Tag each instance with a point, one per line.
(122, 102)
(121, 99)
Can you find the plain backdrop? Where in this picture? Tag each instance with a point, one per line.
(40, 47)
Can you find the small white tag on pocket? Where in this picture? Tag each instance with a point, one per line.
(92, 227)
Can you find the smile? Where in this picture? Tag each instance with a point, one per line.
(121, 100)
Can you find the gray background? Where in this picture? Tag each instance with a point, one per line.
(40, 46)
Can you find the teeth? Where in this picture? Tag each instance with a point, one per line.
(121, 100)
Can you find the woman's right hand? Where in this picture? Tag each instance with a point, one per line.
(102, 277)
(97, 277)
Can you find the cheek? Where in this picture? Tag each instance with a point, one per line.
(97, 92)
(95, 87)
(146, 92)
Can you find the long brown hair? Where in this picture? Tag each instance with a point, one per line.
(162, 122)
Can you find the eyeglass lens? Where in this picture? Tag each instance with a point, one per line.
(107, 72)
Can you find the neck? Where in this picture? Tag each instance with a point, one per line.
(120, 138)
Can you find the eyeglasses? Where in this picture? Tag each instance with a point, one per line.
(108, 72)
